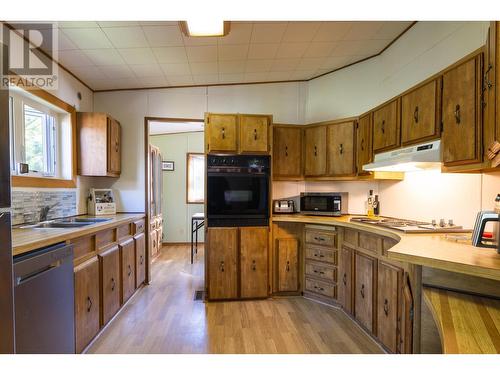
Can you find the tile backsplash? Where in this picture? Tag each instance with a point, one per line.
(26, 205)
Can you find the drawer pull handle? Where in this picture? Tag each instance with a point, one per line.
(319, 288)
(129, 270)
(386, 307)
(89, 304)
(383, 126)
(315, 151)
(415, 115)
(221, 266)
(320, 272)
(287, 268)
(341, 149)
(142, 260)
(363, 291)
(344, 279)
(286, 150)
(457, 114)
(319, 255)
(255, 134)
(223, 132)
(254, 267)
(113, 284)
(362, 144)
(319, 238)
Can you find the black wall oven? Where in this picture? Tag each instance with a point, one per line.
(237, 190)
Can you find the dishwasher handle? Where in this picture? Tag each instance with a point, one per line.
(33, 275)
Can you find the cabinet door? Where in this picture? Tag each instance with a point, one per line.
(153, 244)
(288, 265)
(287, 151)
(254, 243)
(110, 288)
(140, 259)
(341, 152)
(86, 303)
(364, 290)
(315, 151)
(386, 127)
(221, 133)
(254, 133)
(128, 268)
(406, 340)
(364, 153)
(461, 117)
(222, 263)
(114, 146)
(420, 117)
(345, 278)
(389, 282)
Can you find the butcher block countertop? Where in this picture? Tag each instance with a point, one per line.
(26, 240)
(431, 250)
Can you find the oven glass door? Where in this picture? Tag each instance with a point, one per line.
(237, 195)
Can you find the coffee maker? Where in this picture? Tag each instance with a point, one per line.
(479, 237)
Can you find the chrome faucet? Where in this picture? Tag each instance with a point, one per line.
(45, 211)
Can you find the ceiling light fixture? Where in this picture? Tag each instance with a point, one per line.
(204, 27)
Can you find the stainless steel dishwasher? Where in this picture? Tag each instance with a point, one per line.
(44, 301)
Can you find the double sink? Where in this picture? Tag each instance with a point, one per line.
(65, 223)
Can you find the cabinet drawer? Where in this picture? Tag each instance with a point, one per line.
(123, 231)
(387, 243)
(321, 238)
(321, 271)
(83, 246)
(320, 287)
(322, 255)
(104, 238)
(138, 226)
(351, 237)
(370, 242)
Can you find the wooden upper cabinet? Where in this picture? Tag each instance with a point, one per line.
(389, 284)
(254, 133)
(341, 150)
(315, 151)
(288, 264)
(221, 132)
(287, 151)
(345, 278)
(222, 263)
(491, 126)
(99, 145)
(386, 126)
(364, 151)
(461, 138)
(86, 277)
(364, 290)
(420, 115)
(110, 287)
(254, 244)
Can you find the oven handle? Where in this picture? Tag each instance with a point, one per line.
(223, 174)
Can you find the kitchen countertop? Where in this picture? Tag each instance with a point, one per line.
(26, 240)
(432, 250)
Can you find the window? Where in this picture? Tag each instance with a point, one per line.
(195, 176)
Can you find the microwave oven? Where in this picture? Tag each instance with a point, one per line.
(325, 204)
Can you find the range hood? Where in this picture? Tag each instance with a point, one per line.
(414, 158)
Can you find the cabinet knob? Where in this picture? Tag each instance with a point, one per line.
(113, 284)
(223, 133)
(415, 115)
(221, 266)
(89, 304)
(255, 134)
(362, 291)
(386, 307)
(457, 114)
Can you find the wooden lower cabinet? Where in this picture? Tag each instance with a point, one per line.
(110, 283)
(254, 262)
(389, 281)
(288, 265)
(345, 278)
(364, 290)
(222, 263)
(140, 259)
(86, 277)
(127, 253)
(153, 244)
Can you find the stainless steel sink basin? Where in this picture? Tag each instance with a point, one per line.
(73, 222)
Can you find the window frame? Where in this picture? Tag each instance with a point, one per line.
(44, 181)
(188, 158)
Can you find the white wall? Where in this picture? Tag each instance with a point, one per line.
(285, 101)
(176, 212)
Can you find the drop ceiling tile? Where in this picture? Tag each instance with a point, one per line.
(239, 33)
(290, 50)
(88, 72)
(284, 65)
(123, 83)
(87, 38)
(231, 67)
(199, 41)
(74, 58)
(163, 36)
(258, 66)
(313, 63)
(77, 24)
(205, 79)
(336, 62)
(392, 29)
(232, 52)
(363, 30)
(268, 32)
(117, 23)
(231, 78)
(300, 31)
(159, 23)
(116, 71)
(64, 42)
(126, 37)
(146, 70)
(302, 74)
(137, 55)
(263, 51)
(351, 47)
(332, 31)
(204, 68)
(155, 81)
(170, 54)
(180, 80)
(320, 49)
(202, 53)
(104, 56)
(175, 70)
(256, 77)
(278, 76)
